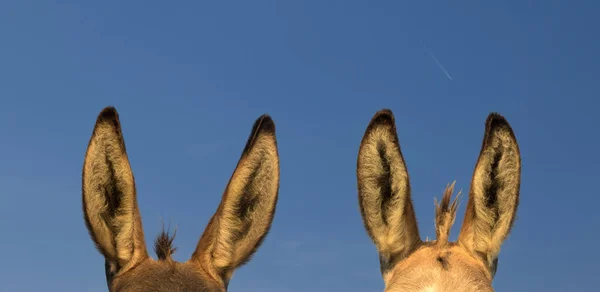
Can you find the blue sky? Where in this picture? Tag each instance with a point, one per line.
(190, 77)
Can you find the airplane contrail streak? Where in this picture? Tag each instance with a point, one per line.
(439, 65)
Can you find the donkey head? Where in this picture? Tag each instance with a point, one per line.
(407, 262)
(232, 236)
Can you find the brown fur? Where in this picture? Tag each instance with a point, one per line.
(445, 214)
(163, 245)
(407, 262)
(232, 236)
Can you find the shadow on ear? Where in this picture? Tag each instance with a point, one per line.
(247, 208)
(109, 198)
(384, 192)
(494, 193)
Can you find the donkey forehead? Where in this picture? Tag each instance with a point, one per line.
(165, 276)
(437, 269)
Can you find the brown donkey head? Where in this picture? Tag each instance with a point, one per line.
(233, 234)
(407, 262)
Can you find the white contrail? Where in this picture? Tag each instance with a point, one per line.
(439, 64)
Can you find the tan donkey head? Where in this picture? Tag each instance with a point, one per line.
(407, 262)
(232, 236)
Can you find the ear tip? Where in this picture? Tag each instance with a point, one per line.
(264, 124)
(496, 116)
(496, 121)
(109, 113)
(383, 117)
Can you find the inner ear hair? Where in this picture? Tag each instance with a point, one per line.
(494, 194)
(108, 193)
(384, 191)
(247, 208)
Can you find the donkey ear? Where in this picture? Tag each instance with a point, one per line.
(247, 208)
(494, 193)
(109, 200)
(384, 192)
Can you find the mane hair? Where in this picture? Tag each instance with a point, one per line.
(163, 245)
(445, 214)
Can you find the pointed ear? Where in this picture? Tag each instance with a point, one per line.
(384, 192)
(247, 208)
(109, 199)
(494, 193)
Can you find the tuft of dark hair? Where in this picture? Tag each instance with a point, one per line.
(163, 245)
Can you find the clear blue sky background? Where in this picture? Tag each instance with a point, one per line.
(190, 77)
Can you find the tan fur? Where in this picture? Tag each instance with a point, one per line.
(233, 235)
(393, 228)
(221, 248)
(485, 228)
(106, 166)
(423, 272)
(409, 264)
